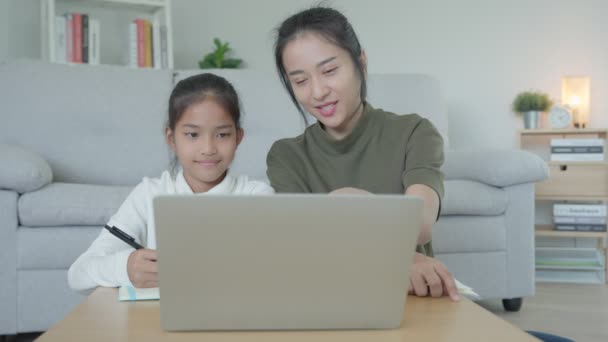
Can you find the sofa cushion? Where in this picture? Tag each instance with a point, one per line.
(469, 234)
(94, 124)
(464, 197)
(496, 167)
(23, 170)
(63, 204)
(52, 247)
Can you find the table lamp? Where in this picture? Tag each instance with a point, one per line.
(575, 95)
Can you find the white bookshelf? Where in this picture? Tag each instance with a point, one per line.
(115, 17)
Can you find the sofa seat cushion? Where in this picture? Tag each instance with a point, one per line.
(469, 234)
(464, 197)
(64, 204)
(44, 248)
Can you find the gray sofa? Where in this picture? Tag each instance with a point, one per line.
(75, 139)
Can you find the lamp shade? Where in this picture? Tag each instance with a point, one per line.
(575, 94)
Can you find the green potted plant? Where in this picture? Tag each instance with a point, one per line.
(531, 104)
(218, 58)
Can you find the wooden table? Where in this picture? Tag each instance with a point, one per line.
(102, 318)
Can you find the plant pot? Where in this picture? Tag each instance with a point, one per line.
(531, 120)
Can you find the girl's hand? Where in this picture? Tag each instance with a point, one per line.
(431, 278)
(142, 268)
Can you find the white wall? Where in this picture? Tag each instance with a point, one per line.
(482, 51)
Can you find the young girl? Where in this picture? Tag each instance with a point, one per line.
(353, 147)
(203, 131)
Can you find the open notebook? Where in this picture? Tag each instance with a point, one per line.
(129, 293)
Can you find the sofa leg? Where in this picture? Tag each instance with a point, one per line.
(512, 304)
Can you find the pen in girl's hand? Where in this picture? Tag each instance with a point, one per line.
(123, 236)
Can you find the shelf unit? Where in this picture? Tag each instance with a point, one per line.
(547, 230)
(570, 181)
(572, 265)
(155, 10)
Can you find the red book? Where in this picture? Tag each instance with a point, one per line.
(141, 45)
(77, 37)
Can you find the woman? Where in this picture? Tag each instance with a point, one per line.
(354, 148)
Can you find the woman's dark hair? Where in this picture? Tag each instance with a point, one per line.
(197, 88)
(329, 24)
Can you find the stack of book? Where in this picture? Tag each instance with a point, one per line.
(148, 44)
(577, 149)
(580, 217)
(76, 38)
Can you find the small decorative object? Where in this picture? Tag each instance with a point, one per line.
(560, 117)
(575, 95)
(531, 105)
(217, 59)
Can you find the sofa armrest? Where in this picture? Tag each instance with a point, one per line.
(496, 167)
(8, 262)
(23, 170)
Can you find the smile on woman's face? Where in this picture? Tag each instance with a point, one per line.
(325, 82)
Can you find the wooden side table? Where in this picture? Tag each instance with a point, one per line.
(570, 181)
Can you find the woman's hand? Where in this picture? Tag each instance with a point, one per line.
(142, 268)
(430, 277)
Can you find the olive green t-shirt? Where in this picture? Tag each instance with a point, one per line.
(384, 154)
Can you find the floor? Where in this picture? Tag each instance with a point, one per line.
(579, 312)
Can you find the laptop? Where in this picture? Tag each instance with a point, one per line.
(285, 262)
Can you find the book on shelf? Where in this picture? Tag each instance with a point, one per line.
(580, 227)
(577, 149)
(147, 44)
(580, 219)
(577, 157)
(588, 210)
(164, 54)
(60, 39)
(570, 264)
(578, 142)
(141, 43)
(85, 37)
(77, 38)
(582, 149)
(133, 45)
(69, 38)
(156, 45)
(94, 41)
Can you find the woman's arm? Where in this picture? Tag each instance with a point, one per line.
(430, 209)
(429, 276)
(430, 206)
